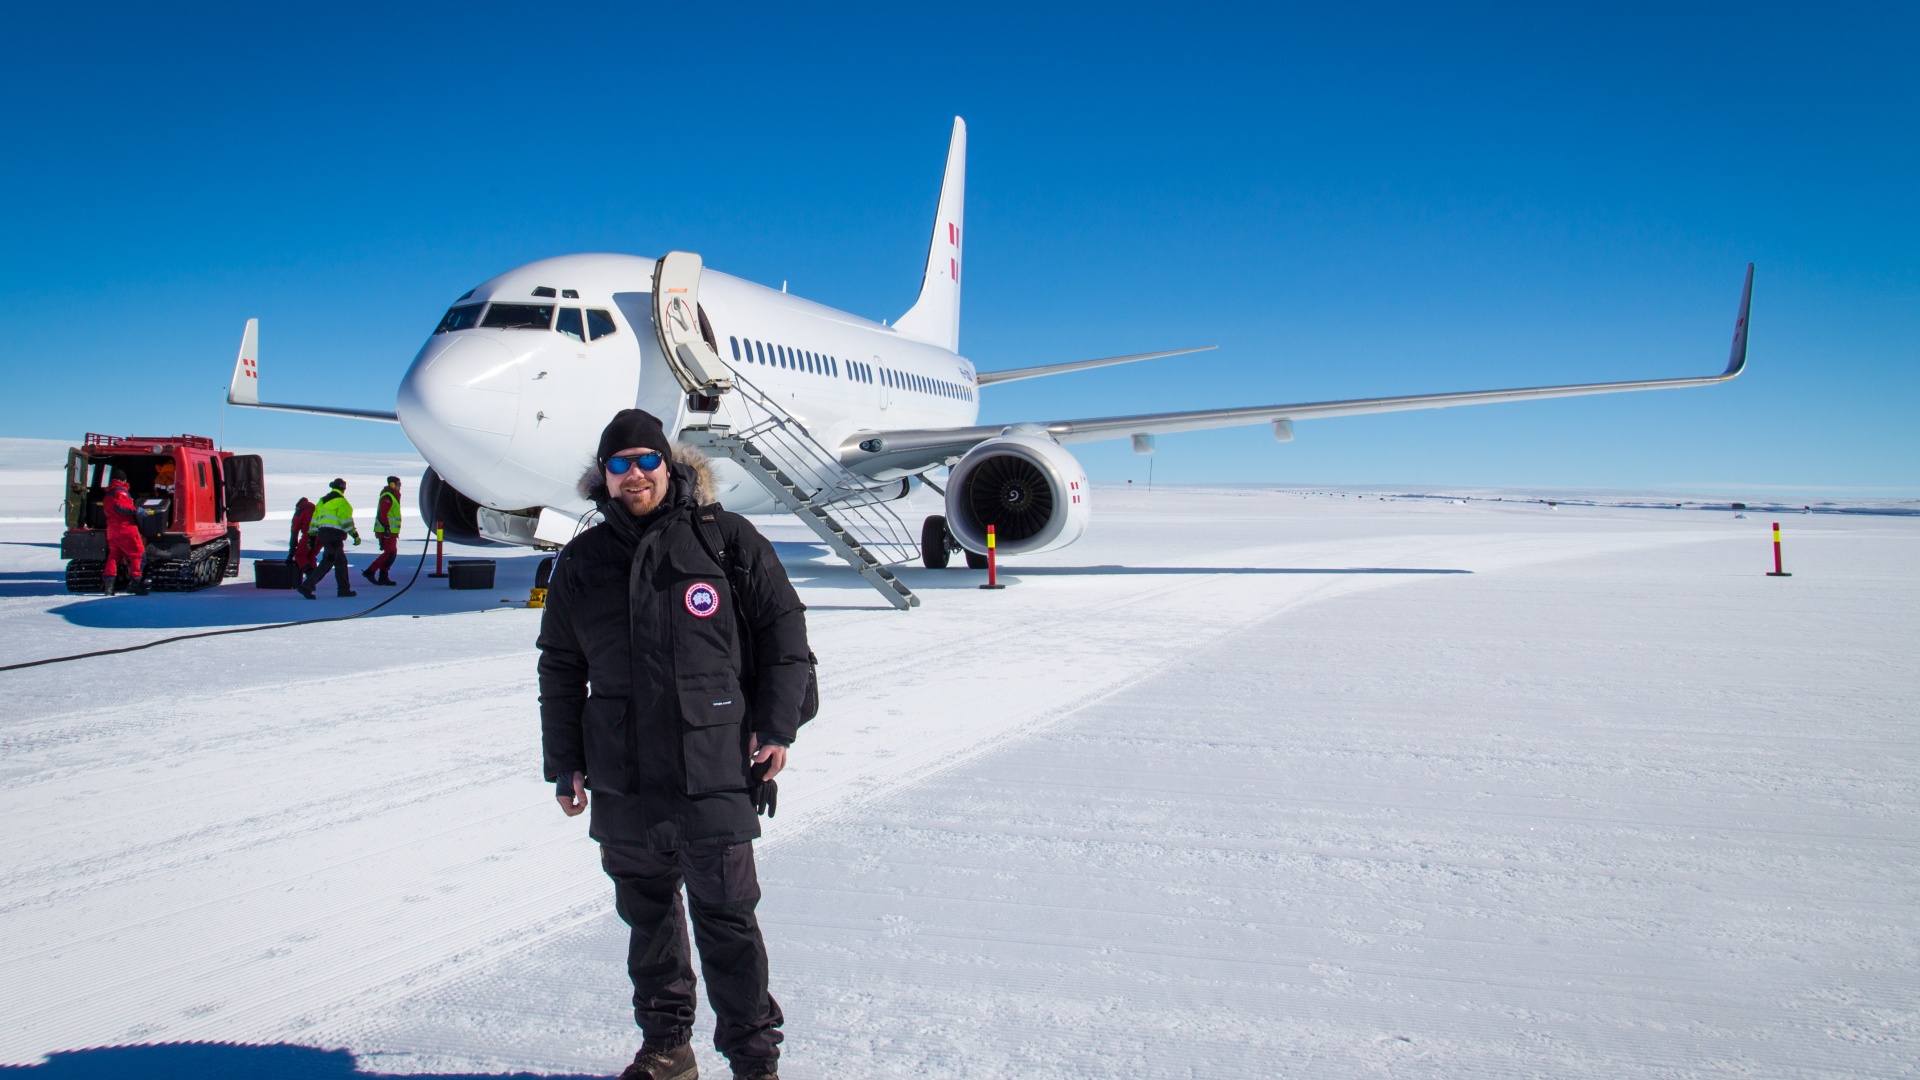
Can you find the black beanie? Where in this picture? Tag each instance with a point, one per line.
(630, 428)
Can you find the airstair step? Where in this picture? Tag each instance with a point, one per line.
(805, 477)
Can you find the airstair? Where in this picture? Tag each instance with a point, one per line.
(750, 428)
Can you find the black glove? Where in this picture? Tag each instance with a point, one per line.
(766, 793)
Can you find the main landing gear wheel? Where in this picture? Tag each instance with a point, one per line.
(976, 561)
(934, 541)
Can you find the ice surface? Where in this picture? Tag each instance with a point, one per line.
(1248, 783)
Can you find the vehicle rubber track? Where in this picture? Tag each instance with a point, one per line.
(206, 566)
(83, 576)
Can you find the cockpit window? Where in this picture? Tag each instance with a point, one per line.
(519, 317)
(599, 324)
(569, 323)
(460, 317)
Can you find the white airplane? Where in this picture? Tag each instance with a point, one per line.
(800, 406)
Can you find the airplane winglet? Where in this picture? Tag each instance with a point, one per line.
(244, 389)
(1737, 359)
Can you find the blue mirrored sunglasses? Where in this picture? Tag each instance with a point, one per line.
(647, 462)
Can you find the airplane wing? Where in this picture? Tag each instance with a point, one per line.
(988, 378)
(899, 452)
(244, 388)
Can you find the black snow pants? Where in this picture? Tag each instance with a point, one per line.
(722, 891)
(333, 554)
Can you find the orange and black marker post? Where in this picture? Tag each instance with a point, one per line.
(439, 551)
(993, 562)
(1777, 572)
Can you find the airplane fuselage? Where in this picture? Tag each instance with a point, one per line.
(507, 398)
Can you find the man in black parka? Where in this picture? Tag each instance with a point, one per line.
(650, 700)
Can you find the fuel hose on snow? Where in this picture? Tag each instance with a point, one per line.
(417, 566)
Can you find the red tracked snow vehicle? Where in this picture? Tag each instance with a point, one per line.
(195, 495)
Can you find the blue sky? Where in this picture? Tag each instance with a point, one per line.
(1383, 199)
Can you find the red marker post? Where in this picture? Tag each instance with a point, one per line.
(439, 551)
(993, 562)
(1777, 572)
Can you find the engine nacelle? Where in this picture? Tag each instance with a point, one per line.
(456, 513)
(1028, 488)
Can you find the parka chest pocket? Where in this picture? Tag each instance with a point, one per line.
(700, 606)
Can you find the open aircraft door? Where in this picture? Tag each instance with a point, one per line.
(686, 338)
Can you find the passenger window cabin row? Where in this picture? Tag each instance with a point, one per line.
(748, 351)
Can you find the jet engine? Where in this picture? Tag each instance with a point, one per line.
(455, 512)
(1027, 487)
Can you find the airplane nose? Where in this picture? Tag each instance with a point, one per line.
(461, 400)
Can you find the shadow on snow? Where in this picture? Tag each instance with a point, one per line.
(1119, 571)
(216, 1061)
(239, 603)
(806, 565)
(33, 582)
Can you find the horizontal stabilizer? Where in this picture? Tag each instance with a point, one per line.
(244, 388)
(988, 378)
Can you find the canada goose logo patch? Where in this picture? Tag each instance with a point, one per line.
(702, 599)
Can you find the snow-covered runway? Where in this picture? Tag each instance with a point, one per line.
(1248, 783)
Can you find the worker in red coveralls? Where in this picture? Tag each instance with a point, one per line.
(125, 546)
(386, 530)
(300, 538)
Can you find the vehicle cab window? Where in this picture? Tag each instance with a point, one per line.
(568, 323)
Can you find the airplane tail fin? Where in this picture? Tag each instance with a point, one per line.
(935, 317)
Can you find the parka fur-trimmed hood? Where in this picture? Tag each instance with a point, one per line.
(592, 484)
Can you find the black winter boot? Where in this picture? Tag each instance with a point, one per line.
(663, 1059)
(762, 1072)
(139, 586)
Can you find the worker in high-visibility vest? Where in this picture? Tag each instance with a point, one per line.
(386, 533)
(332, 524)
